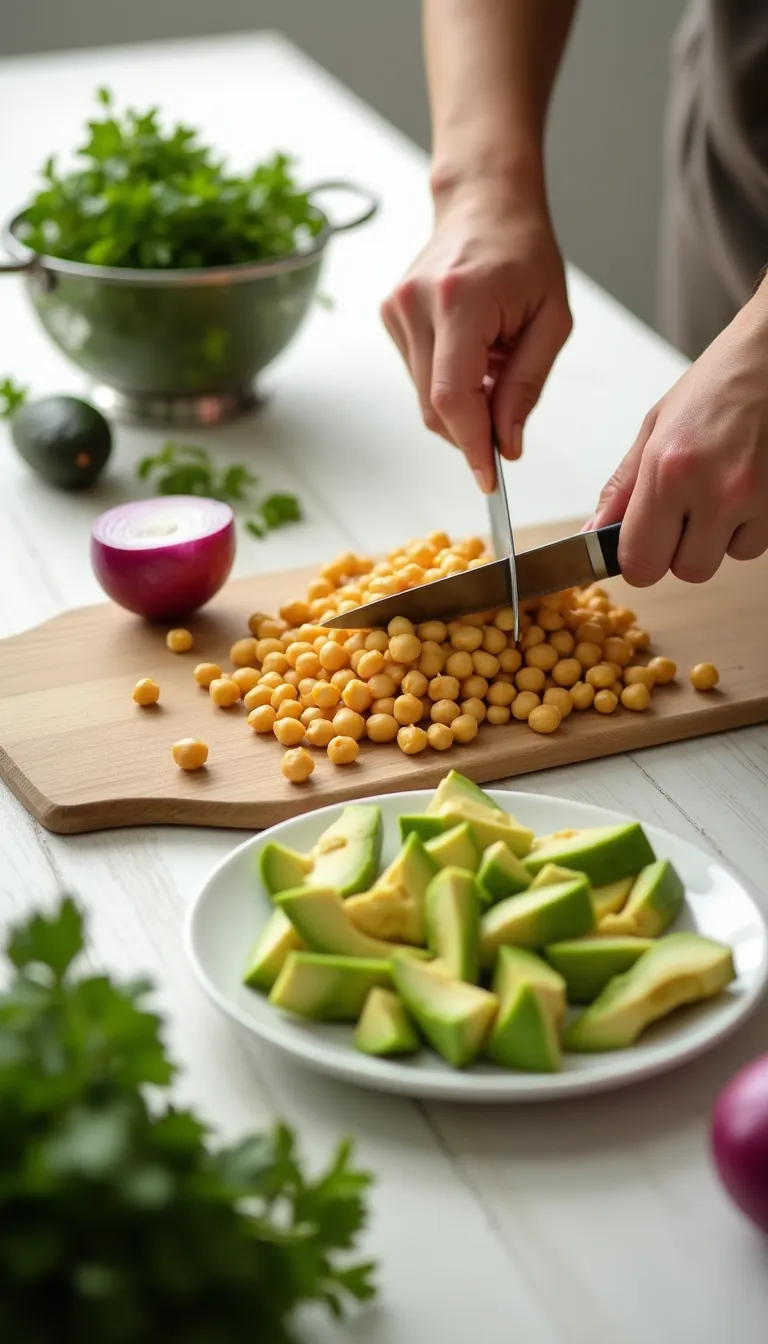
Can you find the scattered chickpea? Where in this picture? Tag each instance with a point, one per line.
(289, 732)
(474, 706)
(325, 694)
(583, 695)
(283, 692)
(510, 661)
(414, 683)
(262, 718)
(561, 698)
(439, 736)
(342, 678)
(382, 728)
(566, 672)
(467, 638)
(498, 714)
(343, 750)
(357, 695)
(411, 739)
(298, 765)
(459, 664)
(224, 692)
(543, 656)
(405, 648)
(605, 702)
(639, 676)
(179, 641)
(444, 711)
(524, 703)
(319, 732)
(636, 696)
(637, 639)
(290, 709)
(588, 653)
(464, 728)
(500, 694)
(244, 652)
(384, 705)
(443, 688)
(272, 680)
(530, 679)
(544, 718)
(601, 676)
(205, 673)
(348, 723)
(275, 662)
(310, 714)
(704, 677)
(190, 753)
(663, 669)
(146, 692)
(333, 657)
(408, 709)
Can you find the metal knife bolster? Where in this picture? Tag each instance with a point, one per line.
(570, 563)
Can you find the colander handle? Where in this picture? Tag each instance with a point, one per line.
(369, 207)
(11, 267)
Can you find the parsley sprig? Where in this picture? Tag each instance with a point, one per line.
(186, 469)
(12, 396)
(122, 1221)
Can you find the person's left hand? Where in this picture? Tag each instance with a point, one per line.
(694, 485)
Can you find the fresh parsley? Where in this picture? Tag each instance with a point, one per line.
(151, 198)
(11, 397)
(120, 1220)
(186, 469)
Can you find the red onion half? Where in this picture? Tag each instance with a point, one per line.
(163, 558)
(740, 1140)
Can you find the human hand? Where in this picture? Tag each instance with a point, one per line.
(479, 320)
(694, 485)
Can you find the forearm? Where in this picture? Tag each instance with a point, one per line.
(491, 66)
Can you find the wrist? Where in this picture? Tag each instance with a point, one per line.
(505, 184)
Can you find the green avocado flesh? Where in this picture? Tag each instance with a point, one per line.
(65, 440)
(385, 1027)
(454, 1016)
(680, 969)
(321, 920)
(516, 966)
(276, 940)
(587, 964)
(550, 874)
(524, 1035)
(611, 898)
(455, 848)
(426, 827)
(394, 907)
(453, 922)
(328, 989)
(603, 853)
(501, 874)
(655, 901)
(457, 788)
(536, 918)
(346, 856)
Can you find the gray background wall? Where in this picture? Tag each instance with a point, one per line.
(606, 126)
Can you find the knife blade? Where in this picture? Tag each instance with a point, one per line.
(501, 531)
(570, 563)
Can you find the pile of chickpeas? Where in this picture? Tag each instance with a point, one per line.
(428, 686)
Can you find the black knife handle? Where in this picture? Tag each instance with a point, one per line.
(608, 538)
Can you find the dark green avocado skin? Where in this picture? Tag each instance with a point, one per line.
(63, 439)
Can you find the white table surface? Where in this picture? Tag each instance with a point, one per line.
(580, 1224)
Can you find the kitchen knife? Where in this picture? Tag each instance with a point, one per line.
(501, 531)
(570, 563)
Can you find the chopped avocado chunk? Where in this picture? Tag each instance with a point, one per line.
(537, 917)
(683, 968)
(587, 964)
(516, 966)
(489, 826)
(276, 940)
(394, 907)
(655, 901)
(346, 856)
(552, 873)
(322, 921)
(524, 1035)
(421, 824)
(384, 1027)
(611, 898)
(604, 853)
(456, 788)
(455, 1017)
(453, 922)
(501, 873)
(455, 848)
(328, 989)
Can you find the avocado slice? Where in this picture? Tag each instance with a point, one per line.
(455, 1017)
(655, 901)
(604, 853)
(457, 788)
(394, 908)
(424, 826)
(489, 826)
(321, 919)
(550, 874)
(328, 989)
(682, 968)
(524, 1034)
(346, 856)
(587, 964)
(65, 440)
(611, 898)
(516, 966)
(501, 874)
(384, 1027)
(453, 922)
(537, 917)
(455, 848)
(267, 958)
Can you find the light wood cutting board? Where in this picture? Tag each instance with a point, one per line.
(81, 756)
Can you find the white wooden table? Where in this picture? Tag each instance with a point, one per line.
(581, 1224)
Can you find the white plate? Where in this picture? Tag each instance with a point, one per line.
(232, 907)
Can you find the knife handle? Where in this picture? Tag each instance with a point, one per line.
(607, 539)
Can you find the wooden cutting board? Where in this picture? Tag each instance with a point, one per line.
(81, 756)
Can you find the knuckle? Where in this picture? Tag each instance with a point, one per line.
(676, 461)
(526, 395)
(451, 288)
(740, 485)
(748, 547)
(638, 569)
(444, 398)
(432, 420)
(695, 571)
(406, 294)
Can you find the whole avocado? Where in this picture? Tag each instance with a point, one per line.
(63, 439)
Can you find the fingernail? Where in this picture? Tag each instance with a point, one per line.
(483, 478)
(512, 447)
(589, 526)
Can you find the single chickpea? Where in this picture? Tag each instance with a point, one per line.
(544, 718)
(432, 632)
(290, 709)
(266, 646)
(381, 685)
(325, 694)
(382, 728)
(307, 664)
(299, 646)
(439, 736)
(262, 718)
(271, 679)
(636, 696)
(270, 629)
(294, 613)
(550, 620)
(704, 677)
(244, 652)
(510, 661)
(485, 664)
(254, 621)
(543, 656)
(588, 654)
(560, 698)
(179, 641)
(320, 732)
(408, 709)
(562, 642)
(637, 639)
(504, 619)
(467, 638)
(370, 664)
(343, 750)
(498, 714)
(297, 765)
(281, 693)
(623, 619)
(412, 575)
(443, 688)
(414, 683)
(355, 642)
(494, 640)
(438, 540)
(190, 753)
(663, 669)
(500, 694)
(411, 739)
(459, 665)
(432, 660)
(146, 692)
(474, 706)
(246, 678)
(453, 564)
(601, 676)
(617, 670)
(289, 732)
(310, 714)
(319, 588)
(395, 671)
(530, 679)
(582, 694)
(224, 692)
(400, 625)
(605, 702)
(342, 678)
(591, 633)
(444, 711)
(405, 648)
(357, 695)
(617, 650)
(464, 728)
(306, 686)
(524, 703)
(473, 688)
(384, 705)
(259, 695)
(348, 723)
(275, 662)
(377, 640)
(333, 657)
(639, 676)
(205, 673)
(533, 635)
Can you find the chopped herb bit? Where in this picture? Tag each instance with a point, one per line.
(186, 469)
(11, 397)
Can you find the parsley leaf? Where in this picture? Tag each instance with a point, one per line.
(11, 397)
(186, 469)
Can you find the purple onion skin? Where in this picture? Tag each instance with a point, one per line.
(165, 583)
(740, 1140)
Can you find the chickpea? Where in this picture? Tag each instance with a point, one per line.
(146, 692)
(500, 694)
(550, 620)
(289, 732)
(460, 664)
(369, 664)
(601, 676)
(262, 718)
(244, 652)
(414, 683)
(543, 656)
(432, 632)
(294, 613)
(504, 619)
(444, 711)
(704, 677)
(432, 660)
(270, 629)
(636, 696)
(405, 648)
(474, 687)
(348, 723)
(510, 661)
(663, 669)
(562, 642)
(639, 676)
(494, 640)
(332, 657)
(485, 664)
(205, 673)
(474, 706)
(582, 694)
(281, 693)
(290, 709)
(307, 665)
(560, 698)
(467, 638)
(342, 678)
(605, 702)
(246, 678)
(617, 650)
(524, 703)
(464, 728)
(343, 750)
(266, 646)
(588, 654)
(355, 644)
(357, 695)
(544, 718)
(400, 625)
(377, 640)
(381, 685)
(275, 662)
(319, 732)
(408, 709)
(190, 753)
(382, 728)
(530, 679)
(533, 635)
(224, 692)
(179, 641)
(498, 714)
(254, 621)
(310, 714)
(325, 695)
(298, 765)
(443, 688)
(395, 672)
(384, 705)
(590, 632)
(637, 639)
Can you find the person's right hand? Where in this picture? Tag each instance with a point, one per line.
(479, 320)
